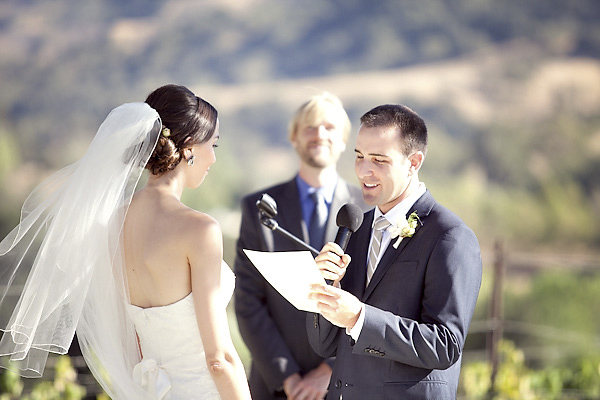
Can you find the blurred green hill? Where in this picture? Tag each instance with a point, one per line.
(510, 91)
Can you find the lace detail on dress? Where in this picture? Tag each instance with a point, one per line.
(173, 350)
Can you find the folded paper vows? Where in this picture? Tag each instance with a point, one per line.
(291, 273)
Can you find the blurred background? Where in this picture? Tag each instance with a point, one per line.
(510, 91)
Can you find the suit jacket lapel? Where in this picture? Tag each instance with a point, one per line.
(356, 279)
(290, 211)
(423, 207)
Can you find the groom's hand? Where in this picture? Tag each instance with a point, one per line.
(332, 262)
(339, 307)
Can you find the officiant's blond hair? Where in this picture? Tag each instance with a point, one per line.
(313, 111)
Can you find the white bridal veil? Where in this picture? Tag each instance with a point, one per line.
(72, 223)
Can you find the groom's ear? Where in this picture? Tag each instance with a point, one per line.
(416, 161)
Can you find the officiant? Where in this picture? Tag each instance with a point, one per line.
(283, 364)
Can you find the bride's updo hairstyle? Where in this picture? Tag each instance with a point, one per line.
(188, 119)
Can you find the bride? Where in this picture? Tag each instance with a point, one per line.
(139, 276)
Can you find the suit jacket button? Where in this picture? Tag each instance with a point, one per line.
(338, 384)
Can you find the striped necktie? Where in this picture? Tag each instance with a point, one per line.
(380, 225)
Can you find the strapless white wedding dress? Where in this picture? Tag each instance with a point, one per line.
(173, 365)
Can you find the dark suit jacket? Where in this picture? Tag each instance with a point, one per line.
(273, 330)
(418, 309)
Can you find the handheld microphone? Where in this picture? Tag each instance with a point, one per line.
(348, 219)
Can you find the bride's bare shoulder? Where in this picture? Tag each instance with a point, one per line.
(199, 224)
(157, 213)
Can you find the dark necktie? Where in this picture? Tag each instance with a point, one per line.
(316, 228)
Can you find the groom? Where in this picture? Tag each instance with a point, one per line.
(398, 319)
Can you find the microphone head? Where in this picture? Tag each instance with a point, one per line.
(267, 206)
(350, 216)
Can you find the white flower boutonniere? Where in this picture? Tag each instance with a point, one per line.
(404, 227)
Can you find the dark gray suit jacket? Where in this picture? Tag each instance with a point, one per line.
(273, 330)
(418, 309)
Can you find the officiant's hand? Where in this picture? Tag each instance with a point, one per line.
(336, 305)
(311, 386)
(332, 262)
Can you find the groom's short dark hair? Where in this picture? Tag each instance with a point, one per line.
(411, 126)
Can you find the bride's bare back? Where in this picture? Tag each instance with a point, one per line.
(159, 231)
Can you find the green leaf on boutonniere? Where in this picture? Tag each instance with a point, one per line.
(404, 227)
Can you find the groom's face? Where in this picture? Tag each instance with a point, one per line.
(381, 167)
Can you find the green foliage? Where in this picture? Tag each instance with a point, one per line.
(515, 380)
(562, 308)
(63, 387)
(9, 162)
(475, 380)
(584, 375)
(11, 385)
(9, 152)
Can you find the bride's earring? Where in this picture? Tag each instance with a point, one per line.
(190, 161)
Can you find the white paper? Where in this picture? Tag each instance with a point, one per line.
(291, 273)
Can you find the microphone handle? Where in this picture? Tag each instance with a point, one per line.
(274, 226)
(342, 237)
(285, 233)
